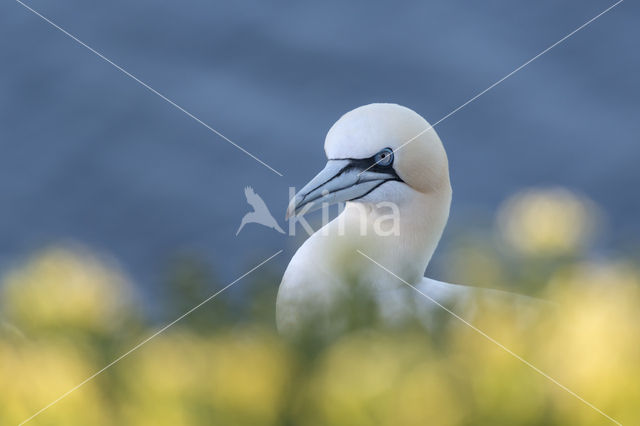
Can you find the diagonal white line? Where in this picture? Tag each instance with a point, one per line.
(492, 340)
(64, 395)
(146, 86)
(500, 81)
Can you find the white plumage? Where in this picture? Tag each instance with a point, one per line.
(360, 172)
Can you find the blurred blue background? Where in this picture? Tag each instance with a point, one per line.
(88, 155)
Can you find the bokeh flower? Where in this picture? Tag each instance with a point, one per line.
(62, 288)
(550, 222)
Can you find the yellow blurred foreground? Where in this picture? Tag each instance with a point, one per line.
(66, 314)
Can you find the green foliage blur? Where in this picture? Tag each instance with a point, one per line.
(66, 313)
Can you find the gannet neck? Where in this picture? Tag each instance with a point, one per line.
(328, 262)
(421, 219)
(422, 222)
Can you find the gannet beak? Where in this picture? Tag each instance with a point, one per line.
(339, 181)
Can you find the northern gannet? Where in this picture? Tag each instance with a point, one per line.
(372, 168)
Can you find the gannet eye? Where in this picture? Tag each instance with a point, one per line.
(384, 158)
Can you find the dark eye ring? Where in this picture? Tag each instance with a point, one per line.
(384, 158)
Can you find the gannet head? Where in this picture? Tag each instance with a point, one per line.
(377, 152)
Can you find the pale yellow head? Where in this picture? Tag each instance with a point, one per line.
(378, 152)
